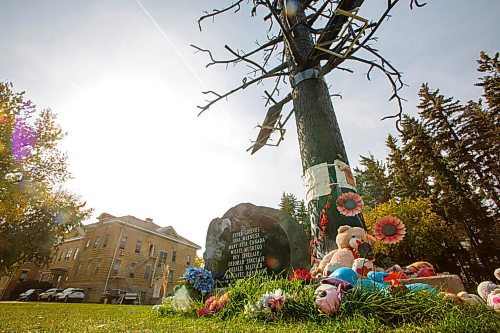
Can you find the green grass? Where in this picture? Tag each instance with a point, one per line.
(61, 317)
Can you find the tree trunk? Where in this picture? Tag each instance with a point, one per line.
(318, 131)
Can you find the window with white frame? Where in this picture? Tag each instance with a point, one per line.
(68, 254)
(171, 276)
(96, 242)
(131, 272)
(123, 241)
(76, 253)
(147, 272)
(116, 267)
(97, 266)
(162, 258)
(23, 275)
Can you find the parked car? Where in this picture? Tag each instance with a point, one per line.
(49, 295)
(114, 296)
(71, 295)
(30, 295)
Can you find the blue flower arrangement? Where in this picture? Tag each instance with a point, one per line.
(200, 279)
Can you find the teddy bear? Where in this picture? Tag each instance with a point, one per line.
(490, 292)
(348, 239)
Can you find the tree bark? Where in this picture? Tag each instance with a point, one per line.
(318, 131)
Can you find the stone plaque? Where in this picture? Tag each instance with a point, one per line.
(249, 239)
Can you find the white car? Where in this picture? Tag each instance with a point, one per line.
(49, 295)
(71, 295)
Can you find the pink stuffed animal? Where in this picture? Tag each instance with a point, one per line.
(328, 296)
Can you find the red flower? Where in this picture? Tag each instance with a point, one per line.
(204, 311)
(301, 274)
(389, 230)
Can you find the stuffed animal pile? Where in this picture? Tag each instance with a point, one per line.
(348, 239)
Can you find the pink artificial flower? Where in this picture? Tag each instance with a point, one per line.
(349, 204)
(222, 300)
(211, 303)
(390, 230)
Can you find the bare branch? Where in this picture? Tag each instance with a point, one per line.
(393, 81)
(238, 57)
(244, 58)
(220, 11)
(277, 71)
(415, 2)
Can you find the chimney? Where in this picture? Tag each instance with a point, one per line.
(149, 220)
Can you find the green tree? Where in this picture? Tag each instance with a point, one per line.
(288, 203)
(449, 157)
(296, 209)
(426, 233)
(35, 211)
(372, 182)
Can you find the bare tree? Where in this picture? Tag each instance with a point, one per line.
(306, 40)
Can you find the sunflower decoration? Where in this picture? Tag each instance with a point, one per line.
(389, 229)
(349, 204)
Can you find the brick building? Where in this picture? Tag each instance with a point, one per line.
(120, 253)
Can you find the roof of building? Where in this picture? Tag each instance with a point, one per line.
(168, 232)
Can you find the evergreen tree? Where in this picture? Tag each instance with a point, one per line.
(404, 176)
(449, 157)
(288, 203)
(372, 182)
(302, 217)
(452, 198)
(296, 209)
(460, 132)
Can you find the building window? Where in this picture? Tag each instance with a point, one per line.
(105, 243)
(174, 255)
(162, 259)
(68, 254)
(87, 269)
(131, 272)
(171, 276)
(138, 246)
(123, 241)
(87, 244)
(76, 253)
(96, 242)
(78, 267)
(116, 267)
(61, 256)
(147, 272)
(55, 256)
(97, 266)
(188, 260)
(23, 275)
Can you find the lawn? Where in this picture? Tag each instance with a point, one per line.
(61, 317)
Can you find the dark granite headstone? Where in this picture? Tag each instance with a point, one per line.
(250, 239)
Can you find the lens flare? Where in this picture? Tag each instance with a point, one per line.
(24, 138)
(291, 8)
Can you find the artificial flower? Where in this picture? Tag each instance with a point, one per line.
(349, 204)
(200, 279)
(389, 229)
(204, 311)
(301, 274)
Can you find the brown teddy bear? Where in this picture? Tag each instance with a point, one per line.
(348, 239)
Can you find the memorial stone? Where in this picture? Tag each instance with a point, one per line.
(250, 239)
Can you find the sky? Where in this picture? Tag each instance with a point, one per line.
(125, 83)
